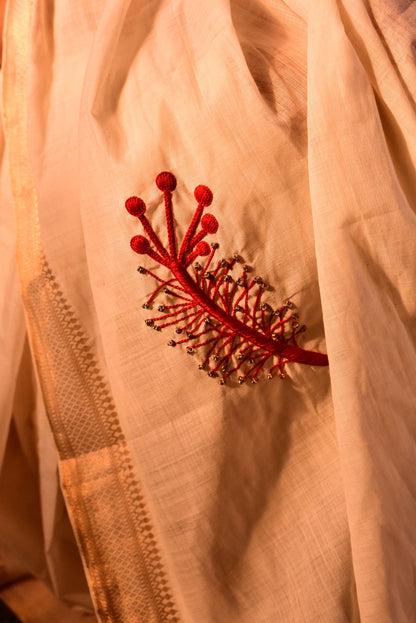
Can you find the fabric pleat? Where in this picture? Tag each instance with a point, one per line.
(146, 491)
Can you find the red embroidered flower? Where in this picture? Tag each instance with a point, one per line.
(212, 310)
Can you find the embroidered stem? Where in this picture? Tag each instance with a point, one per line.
(293, 353)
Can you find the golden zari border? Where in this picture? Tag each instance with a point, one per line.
(110, 517)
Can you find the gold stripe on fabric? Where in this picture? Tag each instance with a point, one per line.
(107, 507)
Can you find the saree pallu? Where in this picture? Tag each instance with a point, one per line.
(289, 500)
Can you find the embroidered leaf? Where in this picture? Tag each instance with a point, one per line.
(212, 310)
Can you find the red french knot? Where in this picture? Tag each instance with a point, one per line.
(211, 311)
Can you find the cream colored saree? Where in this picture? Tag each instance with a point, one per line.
(287, 500)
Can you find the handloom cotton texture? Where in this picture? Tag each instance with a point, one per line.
(288, 501)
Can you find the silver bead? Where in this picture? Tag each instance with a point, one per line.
(241, 380)
(149, 322)
(171, 343)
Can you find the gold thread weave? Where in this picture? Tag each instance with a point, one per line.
(110, 516)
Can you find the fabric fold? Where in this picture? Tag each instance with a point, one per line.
(365, 243)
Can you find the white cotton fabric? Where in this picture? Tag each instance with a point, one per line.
(290, 501)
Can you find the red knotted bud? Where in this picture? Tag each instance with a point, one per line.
(203, 195)
(135, 206)
(166, 181)
(203, 248)
(209, 224)
(140, 244)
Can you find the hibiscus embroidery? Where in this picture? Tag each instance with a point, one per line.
(212, 310)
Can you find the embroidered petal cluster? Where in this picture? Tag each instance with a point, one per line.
(212, 310)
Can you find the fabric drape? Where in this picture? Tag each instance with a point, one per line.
(289, 500)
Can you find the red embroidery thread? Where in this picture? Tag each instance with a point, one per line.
(212, 309)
